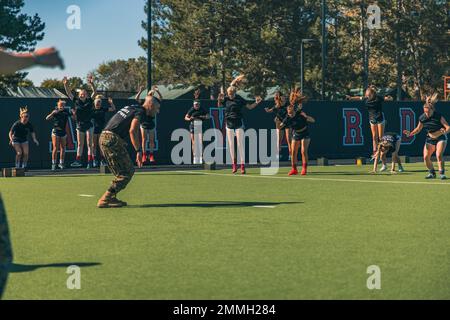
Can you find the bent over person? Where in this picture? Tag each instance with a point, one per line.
(124, 123)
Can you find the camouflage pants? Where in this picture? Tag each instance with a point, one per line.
(5, 249)
(115, 151)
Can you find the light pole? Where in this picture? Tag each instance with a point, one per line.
(149, 45)
(324, 47)
(302, 61)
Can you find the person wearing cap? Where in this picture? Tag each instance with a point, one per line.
(195, 116)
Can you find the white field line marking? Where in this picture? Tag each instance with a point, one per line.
(86, 195)
(265, 207)
(316, 179)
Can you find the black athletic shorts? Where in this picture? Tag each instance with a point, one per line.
(59, 133)
(98, 130)
(19, 141)
(235, 124)
(299, 136)
(434, 142)
(379, 119)
(84, 126)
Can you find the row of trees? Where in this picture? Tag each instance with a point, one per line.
(18, 32)
(207, 42)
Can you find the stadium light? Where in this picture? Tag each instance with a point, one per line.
(302, 60)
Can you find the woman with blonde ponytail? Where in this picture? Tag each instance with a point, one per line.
(437, 129)
(374, 104)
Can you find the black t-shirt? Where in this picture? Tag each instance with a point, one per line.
(392, 138)
(375, 107)
(233, 108)
(433, 123)
(120, 123)
(197, 114)
(280, 112)
(20, 131)
(60, 119)
(99, 116)
(297, 123)
(83, 110)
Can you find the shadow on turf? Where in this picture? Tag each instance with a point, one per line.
(212, 204)
(20, 268)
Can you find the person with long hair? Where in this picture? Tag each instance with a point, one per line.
(390, 143)
(82, 109)
(148, 127)
(18, 138)
(374, 104)
(437, 129)
(59, 116)
(297, 120)
(279, 109)
(99, 117)
(195, 116)
(234, 106)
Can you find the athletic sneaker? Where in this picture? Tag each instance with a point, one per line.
(152, 158)
(53, 167)
(76, 164)
(95, 163)
(103, 163)
(234, 167)
(293, 172)
(383, 168)
(89, 165)
(431, 176)
(61, 166)
(400, 169)
(243, 169)
(443, 177)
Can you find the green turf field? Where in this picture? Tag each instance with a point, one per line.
(198, 235)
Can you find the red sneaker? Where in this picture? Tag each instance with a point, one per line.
(144, 158)
(293, 172)
(234, 168)
(304, 170)
(243, 169)
(152, 158)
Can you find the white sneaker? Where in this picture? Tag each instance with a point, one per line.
(383, 168)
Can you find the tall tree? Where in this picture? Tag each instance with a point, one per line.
(18, 32)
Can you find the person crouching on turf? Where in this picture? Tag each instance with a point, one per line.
(82, 110)
(18, 138)
(124, 123)
(390, 143)
(59, 116)
(437, 129)
(99, 117)
(298, 121)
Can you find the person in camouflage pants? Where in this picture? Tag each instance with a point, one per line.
(115, 151)
(5, 249)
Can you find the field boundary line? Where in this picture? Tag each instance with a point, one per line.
(316, 179)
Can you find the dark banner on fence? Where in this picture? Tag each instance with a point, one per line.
(341, 130)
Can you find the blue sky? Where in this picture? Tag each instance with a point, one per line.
(109, 30)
